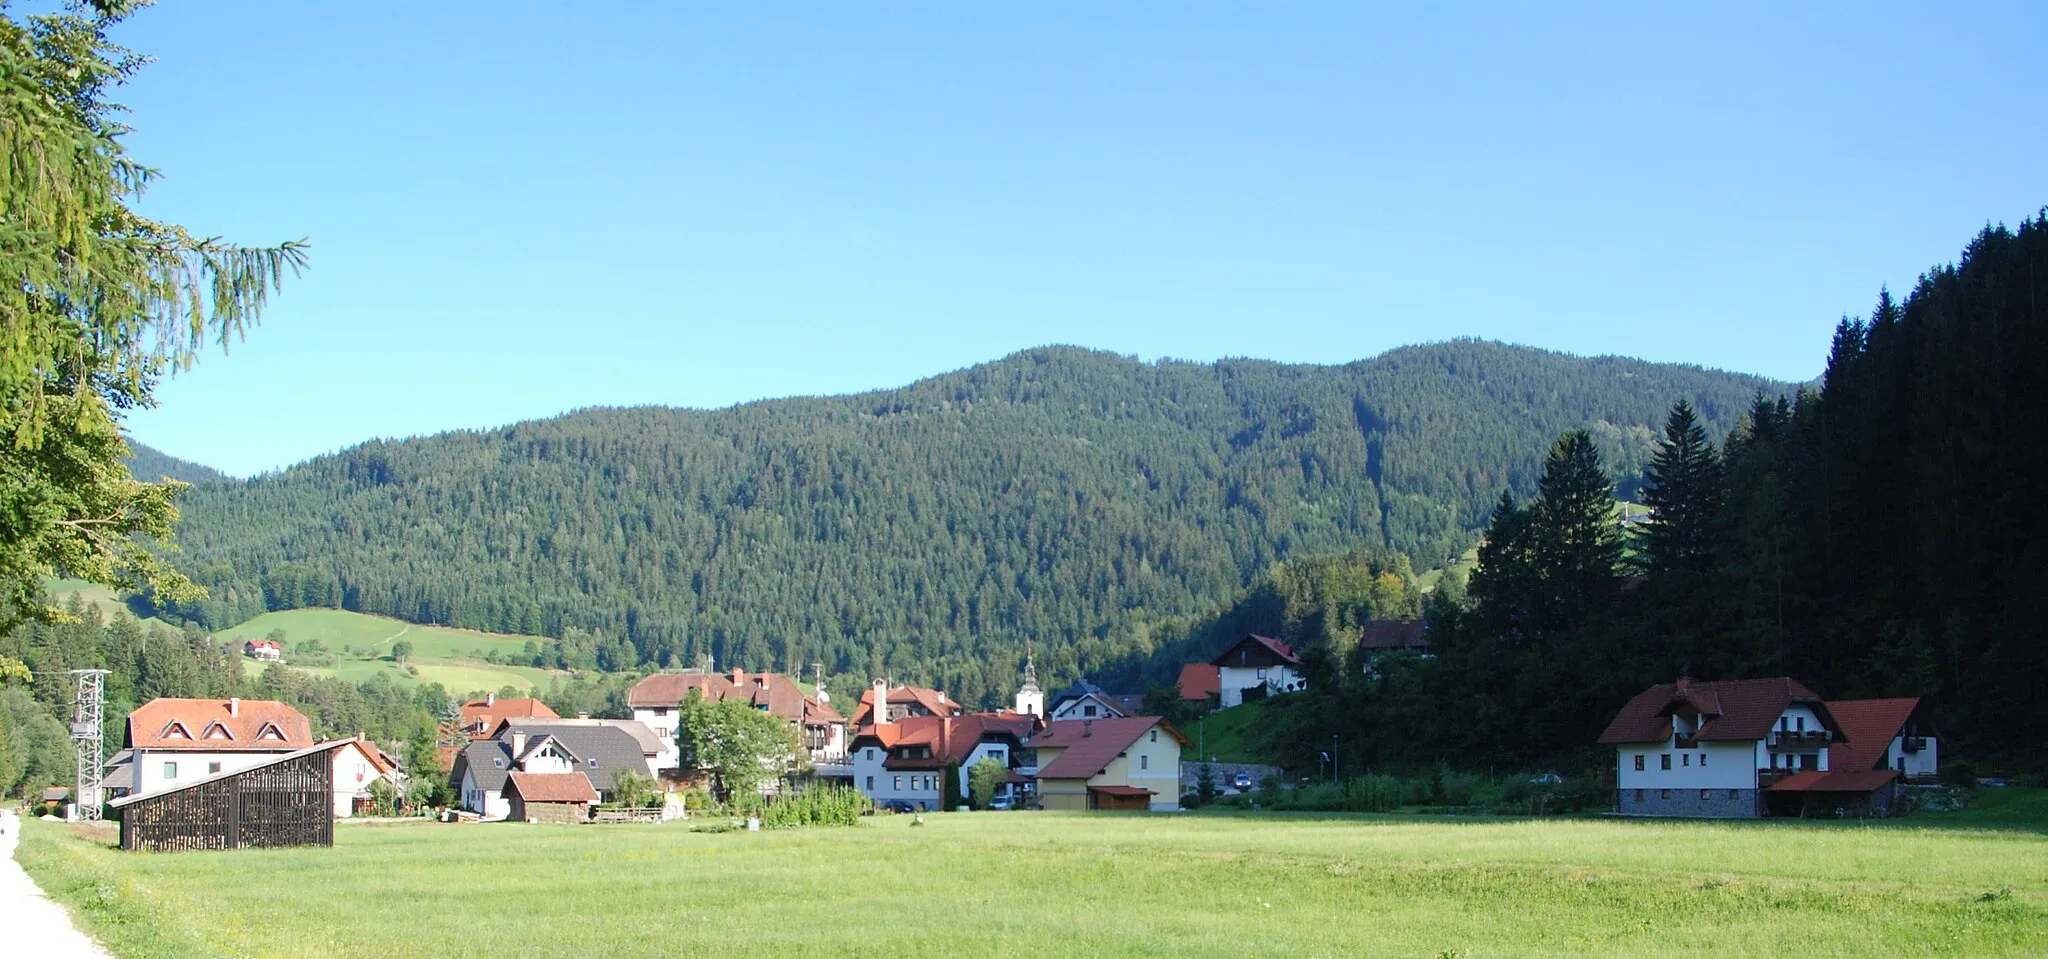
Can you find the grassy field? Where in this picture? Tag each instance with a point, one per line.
(93, 594)
(451, 657)
(1221, 735)
(1085, 885)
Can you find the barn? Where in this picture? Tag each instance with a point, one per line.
(284, 801)
(549, 797)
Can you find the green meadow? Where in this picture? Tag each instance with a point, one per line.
(1197, 884)
(361, 643)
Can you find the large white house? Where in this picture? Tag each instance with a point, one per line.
(906, 760)
(172, 742)
(656, 700)
(1256, 662)
(1747, 748)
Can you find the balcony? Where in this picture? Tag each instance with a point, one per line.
(1685, 741)
(1788, 739)
(1915, 744)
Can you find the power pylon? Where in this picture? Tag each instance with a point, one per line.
(86, 716)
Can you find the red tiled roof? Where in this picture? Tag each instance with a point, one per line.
(1844, 781)
(1393, 634)
(552, 787)
(951, 738)
(930, 700)
(777, 693)
(1732, 710)
(1199, 681)
(242, 732)
(1868, 728)
(480, 716)
(1091, 744)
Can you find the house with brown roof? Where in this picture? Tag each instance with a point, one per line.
(1886, 734)
(564, 797)
(266, 650)
(656, 699)
(1257, 663)
(1199, 682)
(904, 702)
(481, 716)
(906, 761)
(171, 742)
(1127, 763)
(1752, 747)
(598, 749)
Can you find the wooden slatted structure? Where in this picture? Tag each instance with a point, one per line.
(288, 801)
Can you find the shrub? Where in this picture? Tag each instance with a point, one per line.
(816, 806)
(1962, 774)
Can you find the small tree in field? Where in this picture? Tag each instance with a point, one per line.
(984, 780)
(401, 650)
(740, 746)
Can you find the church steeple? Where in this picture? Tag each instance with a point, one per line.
(1030, 699)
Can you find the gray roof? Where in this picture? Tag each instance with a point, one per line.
(477, 758)
(650, 744)
(601, 748)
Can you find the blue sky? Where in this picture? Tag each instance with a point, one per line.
(515, 212)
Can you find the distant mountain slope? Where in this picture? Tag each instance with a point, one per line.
(148, 464)
(925, 532)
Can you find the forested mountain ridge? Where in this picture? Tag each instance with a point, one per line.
(148, 464)
(925, 532)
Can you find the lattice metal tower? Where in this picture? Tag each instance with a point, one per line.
(86, 716)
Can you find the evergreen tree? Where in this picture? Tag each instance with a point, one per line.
(1576, 545)
(1682, 487)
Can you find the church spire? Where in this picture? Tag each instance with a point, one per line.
(1030, 699)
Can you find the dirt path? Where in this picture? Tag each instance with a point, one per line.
(34, 925)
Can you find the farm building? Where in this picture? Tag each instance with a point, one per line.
(287, 800)
(549, 797)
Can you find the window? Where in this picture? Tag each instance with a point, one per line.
(1703, 759)
(213, 769)
(1262, 674)
(1663, 794)
(1155, 735)
(1664, 760)
(1087, 710)
(1144, 762)
(871, 754)
(1706, 794)
(898, 783)
(1639, 765)
(593, 763)
(170, 770)
(499, 762)
(1686, 760)
(871, 784)
(1639, 795)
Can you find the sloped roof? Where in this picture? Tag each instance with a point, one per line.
(244, 728)
(1199, 681)
(1868, 728)
(1731, 710)
(951, 738)
(776, 692)
(610, 746)
(1845, 781)
(930, 700)
(551, 787)
(1091, 744)
(482, 760)
(485, 714)
(1280, 649)
(650, 744)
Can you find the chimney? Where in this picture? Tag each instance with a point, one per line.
(880, 715)
(518, 744)
(1087, 727)
(490, 699)
(235, 706)
(739, 676)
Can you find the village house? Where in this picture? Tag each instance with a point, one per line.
(906, 761)
(267, 650)
(1131, 763)
(1256, 663)
(1199, 683)
(1085, 700)
(171, 742)
(596, 749)
(358, 765)
(1748, 748)
(561, 797)
(904, 702)
(480, 716)
(656, 699)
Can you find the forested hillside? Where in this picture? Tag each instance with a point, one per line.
(1059, 494)
(148, 465)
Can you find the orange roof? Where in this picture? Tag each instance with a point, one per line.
(480, 716)
(1868, 728)
(951, 738)
(1199, 681)
(930, 700)
(218, 725)
(776, 693)
(1730, 710)
(551, 787)
(1091, 744)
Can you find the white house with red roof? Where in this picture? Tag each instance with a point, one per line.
(906, 760)
(1257, 662)
(1886, 734)
(176, 741)
(656, 699)
(1754, 747)
(267, 650)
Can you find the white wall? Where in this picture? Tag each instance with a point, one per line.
(1078, 709)
(1711, 765)
(491, 805)
(192, 766)
(997, 751)
(883, 785)
(663, 720)
(1233, 679)
(353, 774)
(1918, 765)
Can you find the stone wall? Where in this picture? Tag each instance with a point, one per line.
(1688, 803)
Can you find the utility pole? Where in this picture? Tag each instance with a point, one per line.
(87, 712)
(1333, 760)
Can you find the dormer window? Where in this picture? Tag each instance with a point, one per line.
(271, 732)
(174, 730)
(217, 731)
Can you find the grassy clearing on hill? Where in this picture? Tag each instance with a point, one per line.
(1084, 884)
(451, 657)
(105, 597)
(1222, 736)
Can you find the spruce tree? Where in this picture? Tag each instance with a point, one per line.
(1576, 545)
(1682, 487)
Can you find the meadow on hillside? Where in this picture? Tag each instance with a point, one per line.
(360, 644)
(1087, 884)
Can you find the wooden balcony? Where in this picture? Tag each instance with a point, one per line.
(1914, 744)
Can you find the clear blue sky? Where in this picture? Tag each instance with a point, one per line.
(518, 209)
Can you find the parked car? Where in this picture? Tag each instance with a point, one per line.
(1241, 781)
(1549, 779)
(898, 805)
(1002, 804)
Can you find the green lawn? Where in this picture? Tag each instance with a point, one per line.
(440, 654)
(1222, 735)
(93, 594)
(1082, 885)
